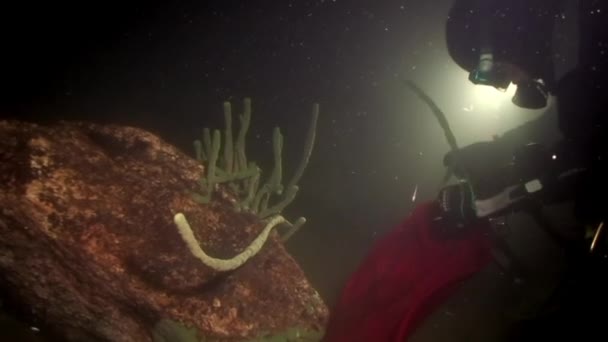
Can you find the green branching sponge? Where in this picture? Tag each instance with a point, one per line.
(229, 165)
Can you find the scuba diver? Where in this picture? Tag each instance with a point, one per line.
(556, 48)
(546, 48)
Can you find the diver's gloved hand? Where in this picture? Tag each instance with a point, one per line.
(456, 204)
(497, 179)
(459, 207)
(483, 164)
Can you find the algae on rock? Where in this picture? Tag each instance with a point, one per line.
(171, 331)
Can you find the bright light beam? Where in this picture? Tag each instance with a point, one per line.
(490, 97)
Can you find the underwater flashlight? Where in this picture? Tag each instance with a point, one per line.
(531, 94)
(489, 73)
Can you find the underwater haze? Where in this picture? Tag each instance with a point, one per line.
(167, 67)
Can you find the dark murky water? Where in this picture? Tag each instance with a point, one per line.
(168, 69)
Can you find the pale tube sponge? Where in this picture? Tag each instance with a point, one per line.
(222, 265)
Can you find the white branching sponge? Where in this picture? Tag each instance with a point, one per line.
(223, 265)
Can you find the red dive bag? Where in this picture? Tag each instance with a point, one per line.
(407, 274)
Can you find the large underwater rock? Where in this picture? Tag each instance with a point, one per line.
(89, 250)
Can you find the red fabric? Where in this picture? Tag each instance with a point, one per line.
(406, 275)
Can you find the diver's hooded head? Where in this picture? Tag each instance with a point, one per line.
(518, 33)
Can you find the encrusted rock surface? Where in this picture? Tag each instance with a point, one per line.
(89, 251)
